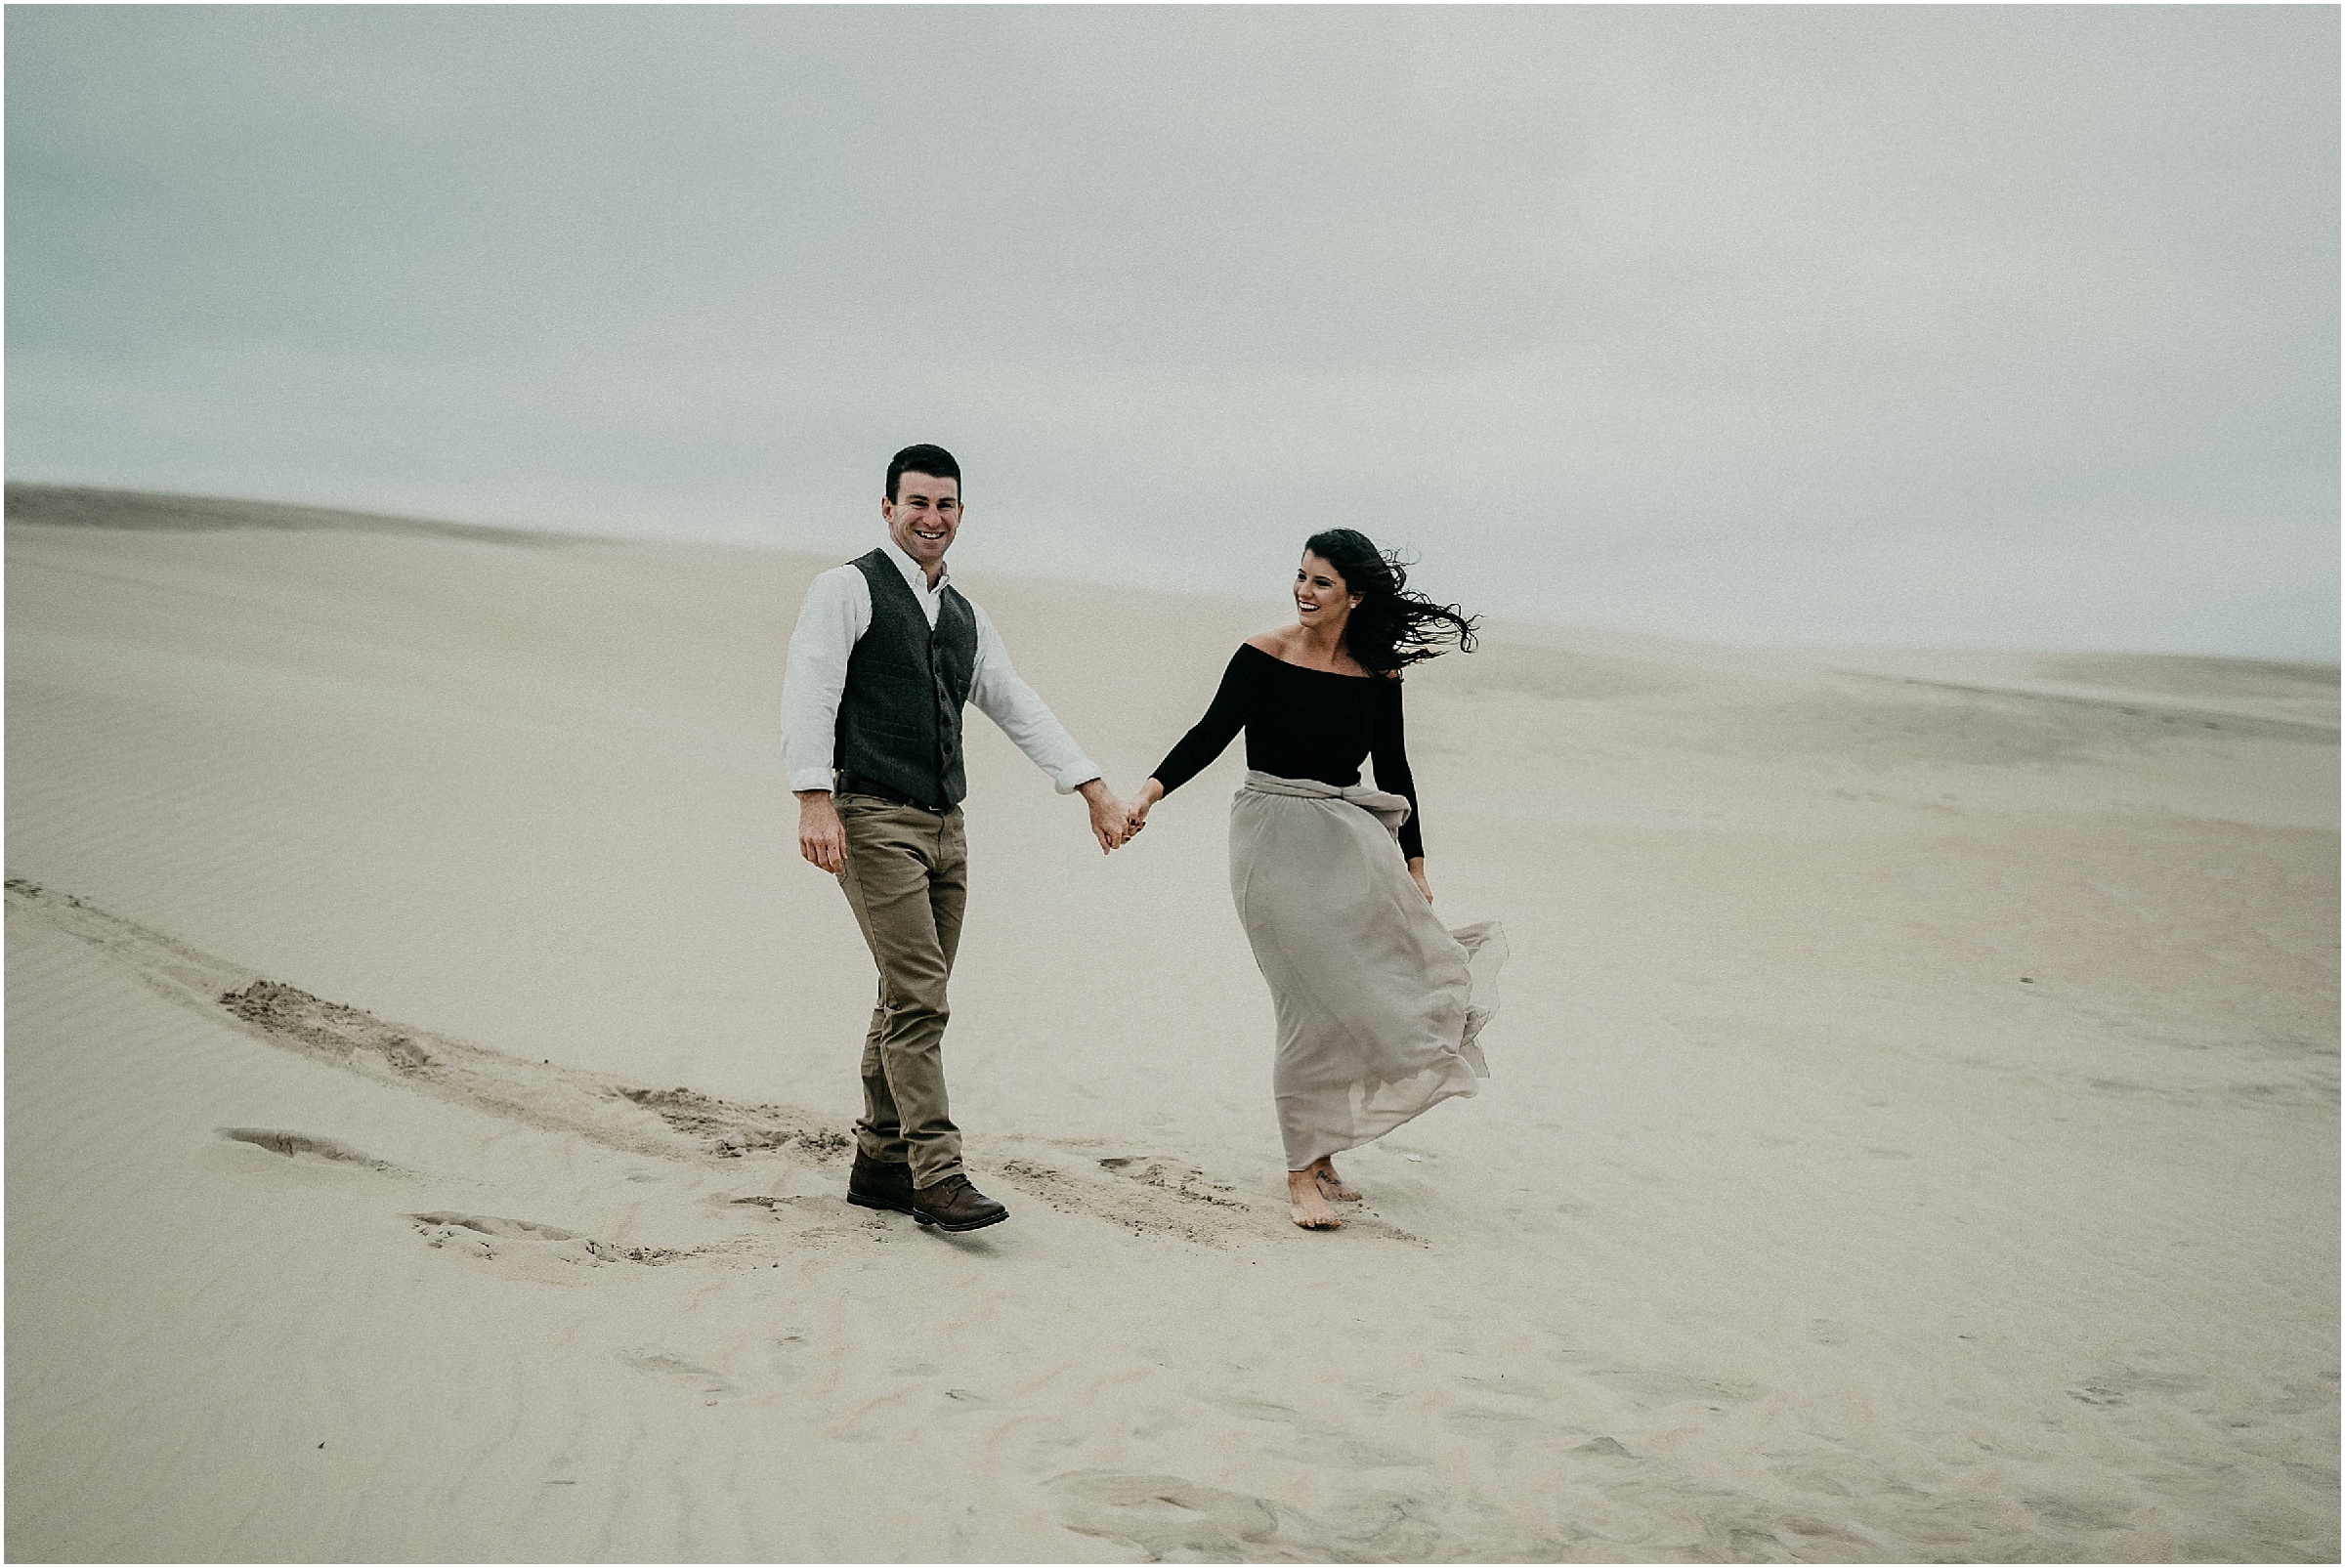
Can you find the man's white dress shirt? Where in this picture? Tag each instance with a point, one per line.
(837, 613)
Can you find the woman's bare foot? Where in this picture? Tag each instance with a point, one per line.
(1305, 1206)
(1333, 1185)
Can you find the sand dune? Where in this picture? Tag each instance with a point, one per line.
(1913, 1133)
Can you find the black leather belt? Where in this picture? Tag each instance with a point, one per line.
(855, 783)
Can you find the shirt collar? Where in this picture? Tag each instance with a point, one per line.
(915, 574)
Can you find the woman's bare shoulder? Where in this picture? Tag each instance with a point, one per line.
(1273, 643)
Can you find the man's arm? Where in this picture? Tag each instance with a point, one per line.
(837, 611)
(1003, 695)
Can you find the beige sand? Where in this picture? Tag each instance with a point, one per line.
(1914, 1132)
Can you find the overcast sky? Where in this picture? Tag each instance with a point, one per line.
(2001, 326)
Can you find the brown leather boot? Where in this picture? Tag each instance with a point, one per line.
(879, 1184)
(953, 1205)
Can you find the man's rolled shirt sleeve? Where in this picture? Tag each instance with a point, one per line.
(1003, 695)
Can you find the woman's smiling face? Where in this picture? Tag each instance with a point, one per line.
(1321, 599)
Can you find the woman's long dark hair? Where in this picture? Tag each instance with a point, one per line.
(1391, 627)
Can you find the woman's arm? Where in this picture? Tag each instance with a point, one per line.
(1390, 754)
(1206, 739)
(1211, 736)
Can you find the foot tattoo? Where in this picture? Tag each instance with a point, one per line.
(1333, 1185)
(1307, 1205)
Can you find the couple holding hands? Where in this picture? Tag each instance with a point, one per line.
(1377, 1004)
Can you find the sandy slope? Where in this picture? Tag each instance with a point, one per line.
(1914, 1130)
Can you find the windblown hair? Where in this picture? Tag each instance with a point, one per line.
(922, 459)
(1393, 626)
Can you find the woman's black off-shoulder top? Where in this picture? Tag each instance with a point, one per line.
(1302, 724)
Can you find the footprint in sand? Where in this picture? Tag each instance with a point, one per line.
(1171, 1518)
(1166, 1515)
(298, 1145)
(493, 1226)
(1155, 1194)
(491, 1237)
(1170, 1176)
(710, 1384)
(2121, 1385)
(1146, 1195)
(814, 1220)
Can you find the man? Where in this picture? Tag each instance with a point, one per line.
(885, 654)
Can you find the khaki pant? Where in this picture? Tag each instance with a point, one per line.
(907, 881)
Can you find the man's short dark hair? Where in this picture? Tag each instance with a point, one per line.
(922, 459)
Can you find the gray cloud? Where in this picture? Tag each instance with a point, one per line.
(1997, 325)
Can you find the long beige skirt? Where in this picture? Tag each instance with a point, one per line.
(1379, 1003)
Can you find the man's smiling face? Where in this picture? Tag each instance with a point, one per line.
(923, 516)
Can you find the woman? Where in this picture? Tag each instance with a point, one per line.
(1377, 1004)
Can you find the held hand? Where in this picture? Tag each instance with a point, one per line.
(821, 837)
(1417, 876)
(1148, 795)
(1108, 815)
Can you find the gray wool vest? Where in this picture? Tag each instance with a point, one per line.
(899, 718)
